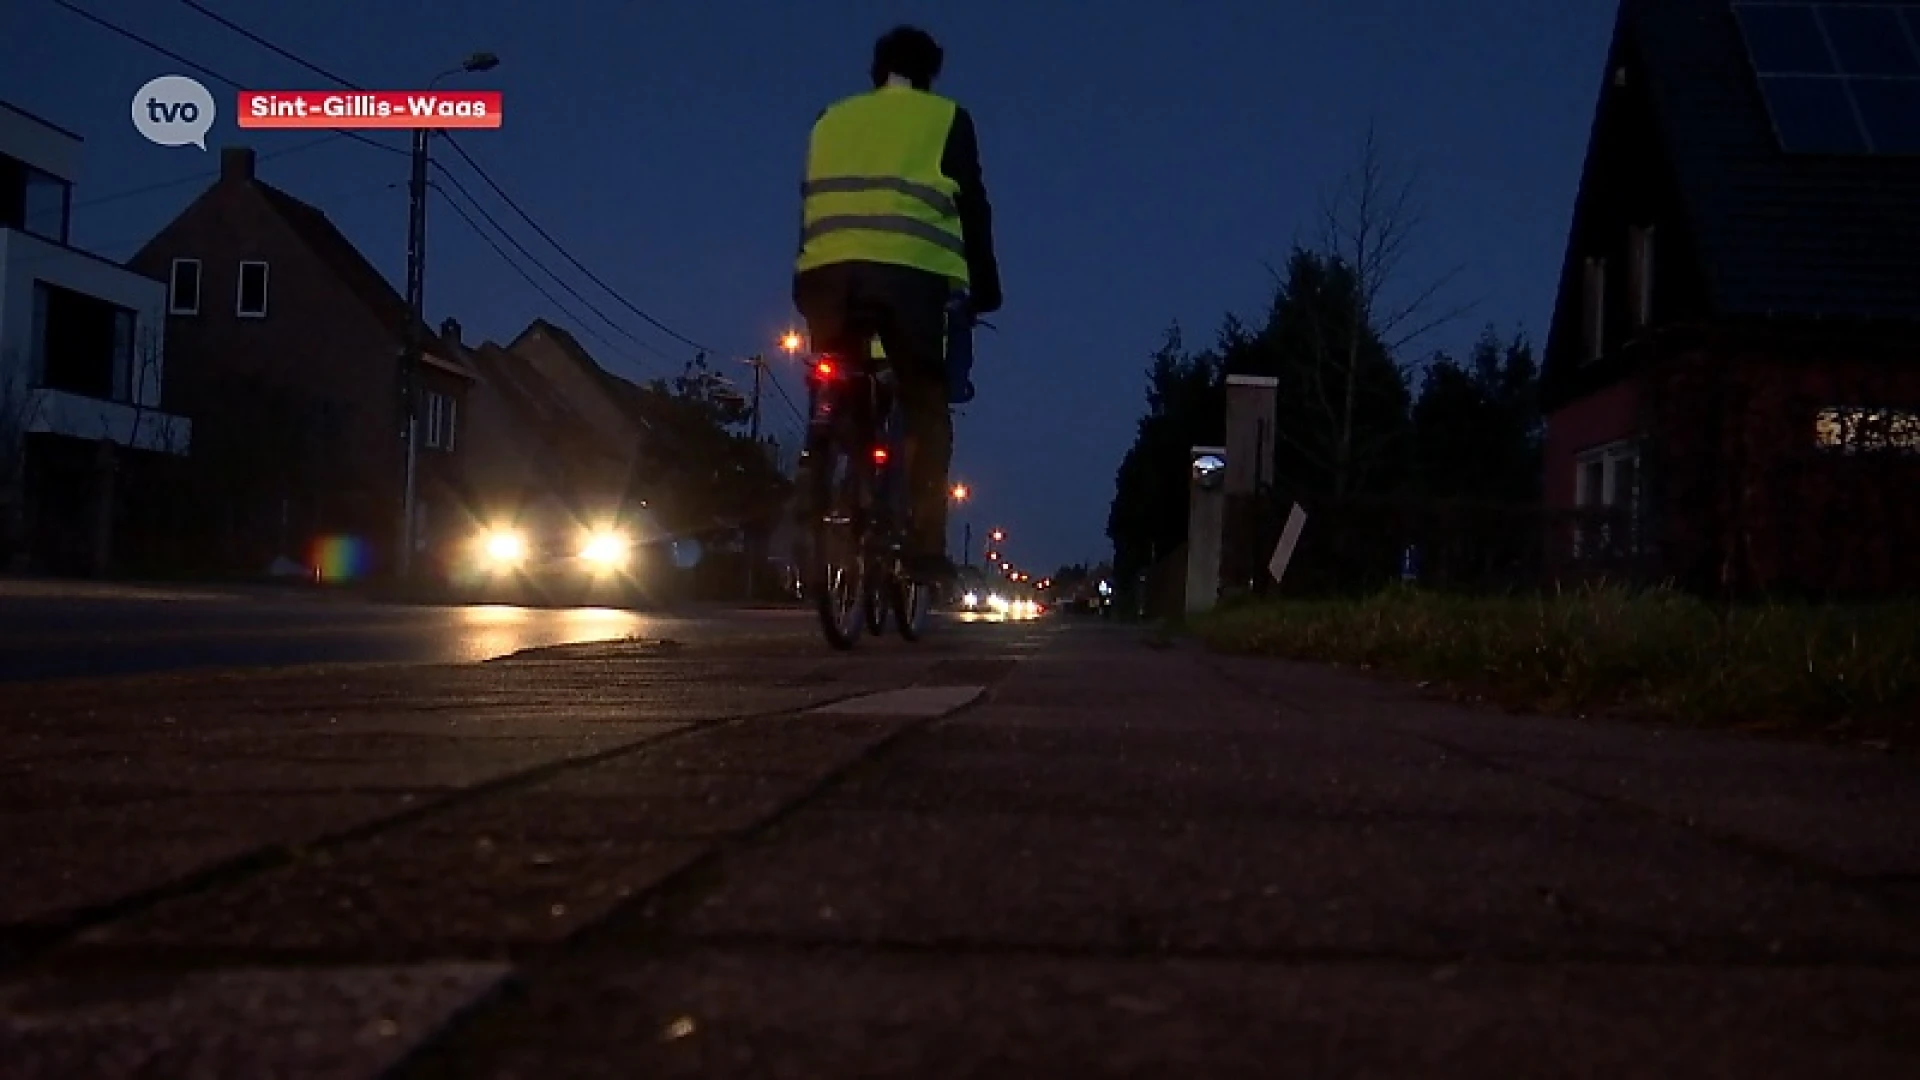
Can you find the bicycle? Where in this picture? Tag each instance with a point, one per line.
(855, 489)
(853, 484)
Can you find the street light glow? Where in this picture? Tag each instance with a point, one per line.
(960, 493)
(997, 535)
(790, 341)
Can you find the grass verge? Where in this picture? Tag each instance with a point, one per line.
(1845, 672)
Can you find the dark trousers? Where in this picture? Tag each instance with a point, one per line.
(846, 306)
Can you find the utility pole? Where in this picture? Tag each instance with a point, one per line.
(759, 366)
(410, 362)
(752, 537)
(416, 314)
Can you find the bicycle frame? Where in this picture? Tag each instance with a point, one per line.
(859, 391)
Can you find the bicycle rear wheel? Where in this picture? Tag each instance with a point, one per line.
(838, 479)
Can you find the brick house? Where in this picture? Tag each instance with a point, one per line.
(287, 344)
(526, 440)
(1733, 368)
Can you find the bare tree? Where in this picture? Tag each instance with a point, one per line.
(1367, 225)
(145, 382)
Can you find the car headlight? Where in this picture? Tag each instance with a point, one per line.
(971, 600)
(608, 549)
(504, 547)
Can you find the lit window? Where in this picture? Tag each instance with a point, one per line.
(1852, 430)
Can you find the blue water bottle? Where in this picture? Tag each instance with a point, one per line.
(959, 349)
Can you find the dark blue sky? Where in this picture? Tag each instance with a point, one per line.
(1144, 158)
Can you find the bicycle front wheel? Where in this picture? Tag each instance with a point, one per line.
(838, 483)
(912, 605)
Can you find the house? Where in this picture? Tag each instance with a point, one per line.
(83, 365)
(287, 354)
(526, 440)
(615, 432)
(1733, 367)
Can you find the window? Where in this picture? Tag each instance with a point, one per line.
(1856, 429)
(123, 355)
(47, 205)
(33, 201)
(440, 421)
(251, 303)
(183, 289)
(1607, 484)
(1640, 264)
(81, 344)
(1595, 309)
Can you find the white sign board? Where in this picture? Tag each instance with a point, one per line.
(1289, 538)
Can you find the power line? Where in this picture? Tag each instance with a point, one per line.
(268, 45)
(201, 68)
(203, 174)
(451, 178)
(567, 255)
(530, 257)
(472, 164)
(528, 278)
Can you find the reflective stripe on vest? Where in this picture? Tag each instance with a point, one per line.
(874, 191)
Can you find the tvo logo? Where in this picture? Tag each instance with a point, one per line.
(173, 110)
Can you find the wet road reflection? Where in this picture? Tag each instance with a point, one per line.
(47, 633)
(490, 630)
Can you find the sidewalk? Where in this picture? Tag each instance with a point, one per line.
(1040, 853)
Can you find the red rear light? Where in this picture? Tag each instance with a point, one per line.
(879, 455)
(824, 369)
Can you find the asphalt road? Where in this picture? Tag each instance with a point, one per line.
(54, 630)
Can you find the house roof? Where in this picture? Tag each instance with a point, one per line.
(1779, 234)
(624, 392)
(536, 401)
(327, 242)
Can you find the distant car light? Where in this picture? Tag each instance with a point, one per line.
(997, 602)
(972, 600)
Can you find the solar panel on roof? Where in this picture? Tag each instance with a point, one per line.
(1890, 109)
(1837, 78)
(1783, 39)
(1869, 40)
(1811, 115)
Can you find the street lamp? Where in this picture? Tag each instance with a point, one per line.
(416, 308)
(960, 493)
(790, 341)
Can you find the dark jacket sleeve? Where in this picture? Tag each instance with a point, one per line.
(961, 162)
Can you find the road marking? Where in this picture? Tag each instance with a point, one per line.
(917, 701)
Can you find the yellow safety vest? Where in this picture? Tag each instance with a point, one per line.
(874, 190)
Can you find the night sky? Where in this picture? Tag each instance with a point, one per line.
(1144, 158)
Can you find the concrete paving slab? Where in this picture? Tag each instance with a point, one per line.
(1547, 886)
(1167, 774)
(434, 887)
(342, 1024)
(918, 701)
(56, 860)
(1013, 1016)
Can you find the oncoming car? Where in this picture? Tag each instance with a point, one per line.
(561, 555)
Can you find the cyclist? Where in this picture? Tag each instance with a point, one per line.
(895, 227)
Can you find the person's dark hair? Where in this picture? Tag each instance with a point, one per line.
(909, 52)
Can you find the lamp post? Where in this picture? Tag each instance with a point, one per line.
(416, 312)
(960, 493)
